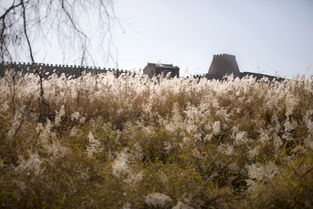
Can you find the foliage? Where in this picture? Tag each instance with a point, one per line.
(132, 142)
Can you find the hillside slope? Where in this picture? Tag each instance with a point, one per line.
(130, 142)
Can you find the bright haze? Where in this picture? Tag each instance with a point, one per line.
(266, 36)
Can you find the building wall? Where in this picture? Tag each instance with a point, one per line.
(153, 70)
(223, 64)
(47, 70)
(149, 70)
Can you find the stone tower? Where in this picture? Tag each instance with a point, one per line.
(223, 64)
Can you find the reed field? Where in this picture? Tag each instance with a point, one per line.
(137, 143)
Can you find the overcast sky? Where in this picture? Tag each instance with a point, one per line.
(267, 36)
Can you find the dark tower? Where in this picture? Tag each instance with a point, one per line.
(223, 64)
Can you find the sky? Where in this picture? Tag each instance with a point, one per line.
(272, 37)
(267, 36)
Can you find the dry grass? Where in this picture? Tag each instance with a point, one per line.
(128, 142)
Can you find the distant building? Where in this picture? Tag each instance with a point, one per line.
(223, 64)
(226, 64)
(154, 69)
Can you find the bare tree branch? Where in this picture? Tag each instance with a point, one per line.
(25, 23)
(26, 33)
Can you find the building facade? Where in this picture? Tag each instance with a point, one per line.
(155, 69)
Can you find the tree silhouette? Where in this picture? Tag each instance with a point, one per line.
(23, 23)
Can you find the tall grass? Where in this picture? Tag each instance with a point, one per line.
(131, 142)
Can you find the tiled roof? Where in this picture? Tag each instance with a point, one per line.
(161, 65)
